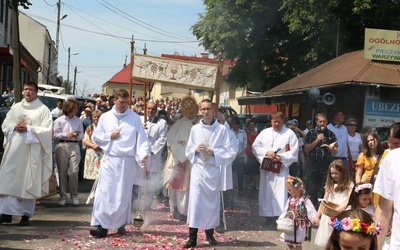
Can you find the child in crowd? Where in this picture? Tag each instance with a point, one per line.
(303, 210)
(354, 229)
(338, 188)
(361, 198)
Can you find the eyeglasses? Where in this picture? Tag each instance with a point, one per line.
(205, 109)
(352, 124)
(29, 90)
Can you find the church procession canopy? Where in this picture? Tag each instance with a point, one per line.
(174, 72)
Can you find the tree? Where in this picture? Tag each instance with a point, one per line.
(67, 85)
(253, 34)
(326, 22)
(13, 5)
(83, 88)
(275, 40)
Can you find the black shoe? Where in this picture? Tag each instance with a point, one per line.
(24, 221)
(5, 218)
(212, 240)
(190, 243)
(166, 201)
(183, 218)
(176, 215)
(122, 230)
(99, 232)
(220, 229)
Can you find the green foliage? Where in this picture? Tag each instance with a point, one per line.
(68, 87)
(13, 4)
(274, 40)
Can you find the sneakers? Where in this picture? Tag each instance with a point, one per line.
(62, 201)
(75, 201)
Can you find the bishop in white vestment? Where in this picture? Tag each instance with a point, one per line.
(280, 143)
(177, 166)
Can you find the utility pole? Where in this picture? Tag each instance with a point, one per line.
(69, 61)
(57, 35)
(74, 80)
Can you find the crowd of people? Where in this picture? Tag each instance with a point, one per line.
(188, 156)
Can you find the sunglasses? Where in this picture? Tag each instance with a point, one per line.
(352, 125)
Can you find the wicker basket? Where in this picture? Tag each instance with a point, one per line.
(329, 208)
(286, 224)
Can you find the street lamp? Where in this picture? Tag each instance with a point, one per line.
(75, 71)
(69, 60)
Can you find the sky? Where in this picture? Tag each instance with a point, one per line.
(101, 32)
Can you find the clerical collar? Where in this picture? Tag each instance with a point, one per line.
(26, 103)
(212, 122)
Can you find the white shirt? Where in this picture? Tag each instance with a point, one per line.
(387, 184)
(341, 134)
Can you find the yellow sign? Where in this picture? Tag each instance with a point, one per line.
(382, 45)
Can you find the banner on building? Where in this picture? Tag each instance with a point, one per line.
(381, 113)
(382, 45)
(159, 69)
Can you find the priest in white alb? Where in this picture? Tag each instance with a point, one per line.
(208, 149)
(280, 144)
(121, 135)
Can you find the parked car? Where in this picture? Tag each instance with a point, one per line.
(227, 110)
(48, 98)
(262, 120)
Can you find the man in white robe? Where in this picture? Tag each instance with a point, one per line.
(27, 161)
(208, 149)
(156, 130)
(281, 144)
(121, 135)
(177, 167)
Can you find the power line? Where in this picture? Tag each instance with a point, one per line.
(93, 23)
(153, 28)
(110, 35)
(116, 25)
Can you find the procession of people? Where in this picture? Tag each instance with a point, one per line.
(187, 155)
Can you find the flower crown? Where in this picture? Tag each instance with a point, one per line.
(362, 187)
(294, 181)
(356, 225)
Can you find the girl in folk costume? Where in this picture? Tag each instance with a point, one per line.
(338, 188)
(361, 198)
(303, 210)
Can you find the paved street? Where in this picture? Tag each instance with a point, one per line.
(54, 227)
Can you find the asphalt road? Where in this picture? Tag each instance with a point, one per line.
(54, 227)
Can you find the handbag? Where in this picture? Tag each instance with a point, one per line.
(286, 224)
(270, 165)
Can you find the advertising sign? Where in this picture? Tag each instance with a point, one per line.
(382, 45)
(381, 113)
